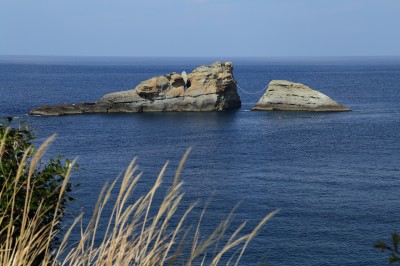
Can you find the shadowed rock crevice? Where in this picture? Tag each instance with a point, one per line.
(207, 88)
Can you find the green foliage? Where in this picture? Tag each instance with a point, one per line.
(393, 248)
(45, 185)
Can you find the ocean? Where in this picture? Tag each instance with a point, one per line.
(335, 177)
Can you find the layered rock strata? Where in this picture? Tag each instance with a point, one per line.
(290, 96)
(207, 88)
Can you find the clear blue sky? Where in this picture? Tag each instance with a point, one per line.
(200, 27)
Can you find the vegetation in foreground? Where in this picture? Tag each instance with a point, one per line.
(33, 197)
(392, 248)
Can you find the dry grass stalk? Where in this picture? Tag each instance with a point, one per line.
(33, 239)
(133, 236)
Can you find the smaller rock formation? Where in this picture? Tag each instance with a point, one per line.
(290, 96)
(207, 88)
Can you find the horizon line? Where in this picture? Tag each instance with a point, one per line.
(204, 56)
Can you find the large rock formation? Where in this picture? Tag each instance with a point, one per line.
(207, 88)
(286, 95)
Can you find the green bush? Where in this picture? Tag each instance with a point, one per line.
(43, 186)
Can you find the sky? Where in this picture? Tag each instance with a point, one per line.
(202, 28)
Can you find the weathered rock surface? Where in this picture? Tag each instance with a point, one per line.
(290, 96)
(207, 88)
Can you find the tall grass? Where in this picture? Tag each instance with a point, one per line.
(138, 232)
(27, 243)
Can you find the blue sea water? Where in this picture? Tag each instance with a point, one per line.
(335, 177)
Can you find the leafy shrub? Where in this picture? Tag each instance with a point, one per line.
(27, 185)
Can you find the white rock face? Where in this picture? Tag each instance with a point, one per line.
(290, 96)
